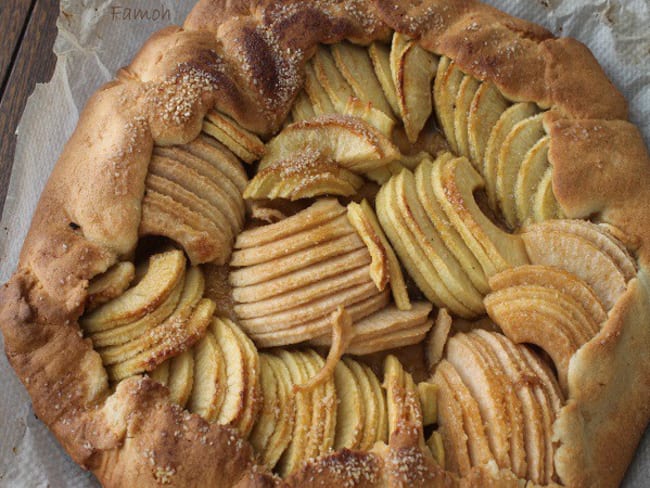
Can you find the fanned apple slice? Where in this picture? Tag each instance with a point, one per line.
(331, 78)
(181, 377)
(554, 278)
(321, 326)
(320, 101)
(513, 408)
(306, 277)
(355, 65)
(600, 238)
(380, 57)
(437, 339)
(402, 402)
(545, 206)
(210, 378)
(363, 219)
(445, 90)
(109, 285)
(507, 121)
(294, 453)
(167, 340)
(240, 141)
(380, 432)
(428, 394)
(415, 260)
(413, 69)
(311, 237)
(462, 105)
(454, 185)
(427, 236)
(450, 236)
(367, 112)
(350, 413)
(192, 291)
(351, 142)
(268, 418)
(131, 331)
(484, 112)
(531, 172)
(391, 340)
(302, 109)
(369, 404)
(282, 435)
(165, 271)
(220, 157)
(324, 398)
(437, 448)
(578, 256)
(477, 442)
(510, 158)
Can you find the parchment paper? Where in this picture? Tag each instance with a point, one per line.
(97, 37)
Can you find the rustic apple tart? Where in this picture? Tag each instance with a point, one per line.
(343, 243)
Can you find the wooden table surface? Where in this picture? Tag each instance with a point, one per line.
(28, 29)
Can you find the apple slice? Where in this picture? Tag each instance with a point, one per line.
(164, 272)
(437, 448)
(437, 339)
(368, 113)
(351, 142)
(450, 236)
(380, 432)
(302, 109)
(510, 158)
(364, 220)
(210, 378)
(161, 373)
(181, 377)
(331, 79)
(466, 93)
(390, 319)
(556, 279)
(268, 418)
(600, 238)
(370, 416)
(109, 285)
(454, 185)
(240, 141)
(413, 69)
(391, 340)
(380, 57)
(506, 123)
(578, 256)
(531, 172)
(323, 428)
(350, 412)
(402, 402)
(428, 394)
(355, 65)
(485, 110)
(545, 206)
(220, 157)
(445, 90)
(320, 100)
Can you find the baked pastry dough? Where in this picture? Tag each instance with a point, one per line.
(155, 270)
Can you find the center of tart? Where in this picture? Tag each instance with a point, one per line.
(357, 221)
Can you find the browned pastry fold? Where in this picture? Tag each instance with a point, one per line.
(245, 59)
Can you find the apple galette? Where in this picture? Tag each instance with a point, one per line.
(343, 244)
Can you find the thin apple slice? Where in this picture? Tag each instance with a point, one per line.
(484, 112)
(428, 394)
(368, 113)
(269, 414)
(414, 258)
(600, 238)
(210, 378)
(507, 121)
(350, 411)
(368, 401)
(578, 256)
(380, 57)
(161, 373)
(181, 377)
(390, 319)
(545, 206)
(557, 279)
(531, 172)
(445, 90)
(320, 100)
(437, 339)
(521, 138)
(355, 65)
(462, 105)
(380, 431)
(240, 141)
(364, 220)
(330, 78)
(220, 157)
(402, 402)
(165, 271)
(391, 340)
(305, 277)
(351, 142)
(454, 185)
(302, 109)
(109, 285)
(324, 397)
(437, 448)
(450, 271)
(452, 239)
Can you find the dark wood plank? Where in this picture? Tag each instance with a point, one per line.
(34, 64)
(13, 17)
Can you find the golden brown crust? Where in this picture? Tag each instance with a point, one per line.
(246, 59)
